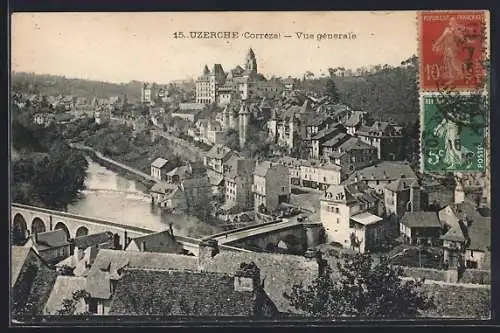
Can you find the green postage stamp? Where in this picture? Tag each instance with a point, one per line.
(453, 132)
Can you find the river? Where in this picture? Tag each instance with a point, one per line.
(113, 197)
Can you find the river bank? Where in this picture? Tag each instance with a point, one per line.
(113, 197)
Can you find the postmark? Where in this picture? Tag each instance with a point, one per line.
(452, 49)
(453, 132)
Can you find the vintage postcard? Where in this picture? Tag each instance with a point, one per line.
(175, 167)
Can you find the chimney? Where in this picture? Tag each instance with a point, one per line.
(143, 246)
(207, 249)
(247, 277)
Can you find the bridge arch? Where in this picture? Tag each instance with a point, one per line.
(38, 225)
(82, 231)
(61, 225)
(19, 229)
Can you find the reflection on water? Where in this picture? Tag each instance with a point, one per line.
(112, 197)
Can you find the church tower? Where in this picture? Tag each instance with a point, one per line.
(251, 62)
(244, 117)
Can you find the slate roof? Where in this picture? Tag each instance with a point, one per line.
(401, 184)
(355, 143)
(350, 193)
(279, 272)
(421, 219)
(84, 242)
(336, 140)
(262, 168)
(480, 233)
(164, 188)
(168, 292)
(51, 239)
(160, 242)
(159, 163)
(63, 289)
(385, 170)
(325, 132)
(152, 260)
(18, 257)
(219, 152)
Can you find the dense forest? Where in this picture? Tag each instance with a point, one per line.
(45, 171)
(52, 85)
(385, 92)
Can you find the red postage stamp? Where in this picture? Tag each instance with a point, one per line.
(452, 49)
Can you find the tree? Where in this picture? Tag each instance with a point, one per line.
(232, 139)
(69, 304)
(361, 290)
(332, 91)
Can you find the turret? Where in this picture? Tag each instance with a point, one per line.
(244, 116)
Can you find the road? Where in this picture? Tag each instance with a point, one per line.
(118, 164)
(234, 236)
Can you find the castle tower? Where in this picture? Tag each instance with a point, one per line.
(244, 117)
(251, 62)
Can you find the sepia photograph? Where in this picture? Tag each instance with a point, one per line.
(249, 166)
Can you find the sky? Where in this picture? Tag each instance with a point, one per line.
(120, 47)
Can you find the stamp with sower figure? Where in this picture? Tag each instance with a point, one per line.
(452, 49)
(453, 132)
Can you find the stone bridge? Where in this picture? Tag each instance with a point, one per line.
(296, 237)
(261, 237)
(28, 219)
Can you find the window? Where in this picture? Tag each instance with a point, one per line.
(338, 220)
(337, 210)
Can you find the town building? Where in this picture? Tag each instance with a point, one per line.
(159, 242)
(421, 227)
(351, 217)
(386, 137)
(217, 156)
(380, 174)
(466, 240)
(52, 246)
(350, 155)
(108, 268)
(200, 293)
(31, 282)
(168, 195)
(238, 181)
(401, 196)
(271, 186)
(159, 168)
(217, 86)
(354, 122)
